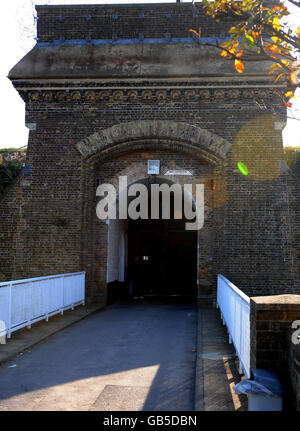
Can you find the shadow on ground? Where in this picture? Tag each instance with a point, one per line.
(130, 356)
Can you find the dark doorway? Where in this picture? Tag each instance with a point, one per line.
(162, 257)
(161, 261)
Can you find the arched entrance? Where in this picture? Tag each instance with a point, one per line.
(124, 150)
(154, 257)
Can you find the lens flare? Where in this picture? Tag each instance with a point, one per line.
(258, 145)
(242, 168)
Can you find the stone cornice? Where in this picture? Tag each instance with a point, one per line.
(119, 82)
(132, 95)
(145, 90)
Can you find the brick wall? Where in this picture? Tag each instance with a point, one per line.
(247, 229)
(53, 202)
(294, 209)
(124, 21)
(294, 368)
(10, 225)
(271, 318)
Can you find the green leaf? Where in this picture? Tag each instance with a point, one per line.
(250, 40)
(234, 30)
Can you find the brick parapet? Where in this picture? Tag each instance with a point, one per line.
(86, 22)
(271, 318)
(293, 355)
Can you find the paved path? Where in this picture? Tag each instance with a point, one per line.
(137, 356)
(25, 338)
(217, 367)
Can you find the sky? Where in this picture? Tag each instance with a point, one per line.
(17, 37)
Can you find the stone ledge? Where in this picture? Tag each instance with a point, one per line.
(276, 302)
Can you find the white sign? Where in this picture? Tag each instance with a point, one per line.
(153, 167)
(178, 172)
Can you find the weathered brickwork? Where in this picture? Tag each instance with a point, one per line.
(11, 223)
(271, 317)
(124, 22)
(294, 210)
(99, 115)
(271, 348)
(294, 369)
(133, 166)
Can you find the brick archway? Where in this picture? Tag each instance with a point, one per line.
(167, 134)
(98, 150)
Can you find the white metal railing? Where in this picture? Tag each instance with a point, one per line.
(235, 312)
(23, 302)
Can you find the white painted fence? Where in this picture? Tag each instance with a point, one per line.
(23, 302)
(235, 312)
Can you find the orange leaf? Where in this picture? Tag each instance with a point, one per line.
(239, 66)
(293, 78)
(289, 94)
(287, 104)
(274, 67)
(224, 54)
(278, 76)
(194, 31)
(274, 49)
(232, 50)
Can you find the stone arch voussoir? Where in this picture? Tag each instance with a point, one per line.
(165, 130)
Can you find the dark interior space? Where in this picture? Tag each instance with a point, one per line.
(162, 258)
(161, 255)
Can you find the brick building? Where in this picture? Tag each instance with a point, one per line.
(108, 88)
